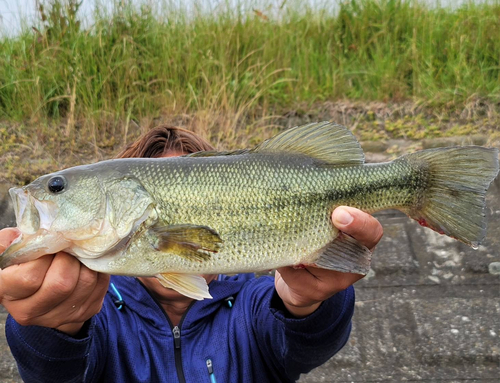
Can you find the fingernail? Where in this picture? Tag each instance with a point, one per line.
(343, 217)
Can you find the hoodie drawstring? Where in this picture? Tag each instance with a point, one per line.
(119, 303)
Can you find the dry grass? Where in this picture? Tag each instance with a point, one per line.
(30, 151)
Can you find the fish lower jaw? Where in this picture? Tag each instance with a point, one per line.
(30, 247)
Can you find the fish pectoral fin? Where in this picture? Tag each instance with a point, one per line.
(345, 254)
(192, 286)
(193, 242)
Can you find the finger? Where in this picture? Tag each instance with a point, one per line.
(94, 302)
(317, 281)
(61, 279)
(334, 280)
(59, 282)
(299, 285)
(291, 275)
(85, 286)
(83, 303)
(360, 225)
(79, 309)
(89, 294)
(24, 280)
(7, 236)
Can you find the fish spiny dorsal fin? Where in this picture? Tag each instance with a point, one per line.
(325, 141)
(214, 153)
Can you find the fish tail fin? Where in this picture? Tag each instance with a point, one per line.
(453, 200)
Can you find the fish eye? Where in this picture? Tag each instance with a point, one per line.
(56, 184)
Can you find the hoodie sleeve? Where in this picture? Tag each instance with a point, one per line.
(292, 345)
(47, 355)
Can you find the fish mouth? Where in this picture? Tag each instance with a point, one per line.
(20, 199)
(34, 219)
(32, 214)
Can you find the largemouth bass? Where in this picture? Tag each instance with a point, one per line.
(247, 210)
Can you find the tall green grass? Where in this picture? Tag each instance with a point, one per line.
(138, 62)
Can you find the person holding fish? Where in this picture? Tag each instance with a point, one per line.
(173, 315)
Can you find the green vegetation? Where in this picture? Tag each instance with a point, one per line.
(228, 74)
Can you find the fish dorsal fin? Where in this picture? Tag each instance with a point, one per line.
(214, 153)
(325, 141)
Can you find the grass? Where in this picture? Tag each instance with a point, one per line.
(229, 74)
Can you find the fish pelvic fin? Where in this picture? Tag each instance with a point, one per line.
(192, 286)
(453, 202)
(192, 242)
(345, 254)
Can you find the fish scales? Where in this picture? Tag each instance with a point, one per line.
(287, 204)
(271, 194)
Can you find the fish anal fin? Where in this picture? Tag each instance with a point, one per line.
(192, 286)
(193, 242)
(345, 254)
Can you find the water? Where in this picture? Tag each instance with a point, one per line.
(14, 12)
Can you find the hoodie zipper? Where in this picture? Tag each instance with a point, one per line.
(177, 354)
(210, 368)
(176, 332)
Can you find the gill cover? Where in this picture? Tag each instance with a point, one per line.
(127, 205)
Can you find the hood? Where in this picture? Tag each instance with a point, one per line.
(136, 297)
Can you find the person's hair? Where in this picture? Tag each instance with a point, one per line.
(165, 139)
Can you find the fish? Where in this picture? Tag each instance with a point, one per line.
(245, 210)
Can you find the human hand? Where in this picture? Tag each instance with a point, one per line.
(303, 290)
(55, 291)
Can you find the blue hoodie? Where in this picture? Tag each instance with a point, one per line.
(244, 334)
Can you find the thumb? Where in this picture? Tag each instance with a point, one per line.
(358, 224)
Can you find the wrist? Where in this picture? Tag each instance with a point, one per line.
(71, 329)
(301, 311)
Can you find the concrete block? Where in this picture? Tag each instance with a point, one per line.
(344, 361)
(393, 253)
(457, 330)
